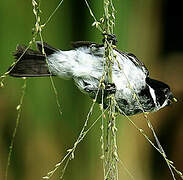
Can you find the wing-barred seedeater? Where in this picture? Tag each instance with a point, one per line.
(135, 92)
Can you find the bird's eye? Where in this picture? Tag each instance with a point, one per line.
(166, 91)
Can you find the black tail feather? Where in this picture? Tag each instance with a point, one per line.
(30, 63)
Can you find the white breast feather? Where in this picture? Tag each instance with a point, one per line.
(83, 63)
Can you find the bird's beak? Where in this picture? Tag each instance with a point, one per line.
(172, 98)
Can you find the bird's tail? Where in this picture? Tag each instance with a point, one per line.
(31, 63)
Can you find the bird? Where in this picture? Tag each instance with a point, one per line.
(133, 89)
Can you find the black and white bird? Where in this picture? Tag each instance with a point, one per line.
(135, 92)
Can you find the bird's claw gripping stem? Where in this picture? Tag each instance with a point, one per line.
(110, 37)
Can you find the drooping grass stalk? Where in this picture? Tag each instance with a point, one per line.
(110, 156)
(19, 109)
(157, 147)
(71, 152)
(38, 31)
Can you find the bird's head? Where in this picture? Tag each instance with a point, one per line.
(161, 93)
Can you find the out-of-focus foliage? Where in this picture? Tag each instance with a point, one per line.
(143, 27)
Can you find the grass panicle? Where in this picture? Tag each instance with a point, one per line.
(110, 154)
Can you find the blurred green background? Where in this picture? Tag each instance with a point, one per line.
(151, 29)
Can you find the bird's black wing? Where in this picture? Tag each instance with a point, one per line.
(135, 60)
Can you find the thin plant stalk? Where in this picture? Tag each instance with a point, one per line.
(110, 155)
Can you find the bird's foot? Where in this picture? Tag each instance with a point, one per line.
(110, 88)
(110, 38)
